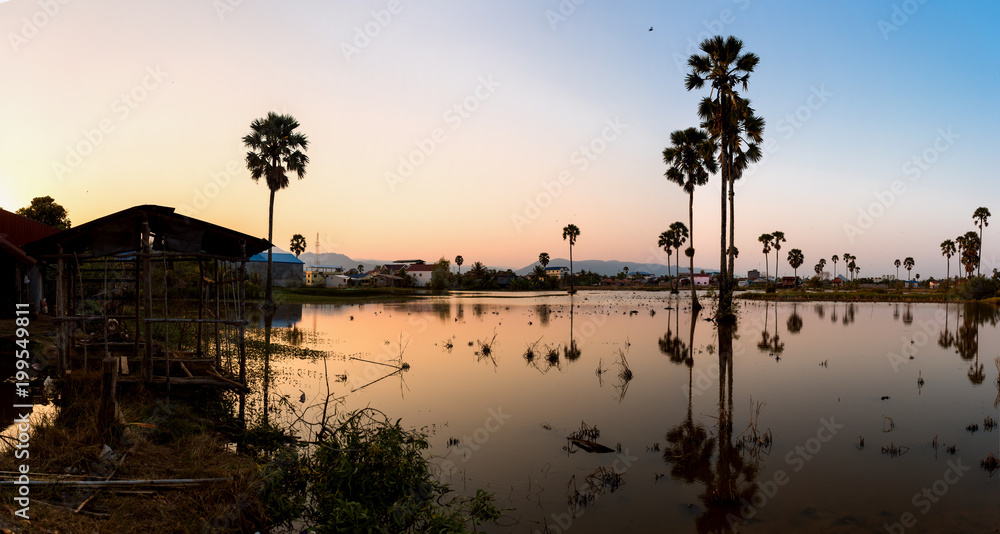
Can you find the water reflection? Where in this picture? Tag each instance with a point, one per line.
(713, 463)
(729, 481)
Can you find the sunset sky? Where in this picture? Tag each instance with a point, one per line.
(443, 128)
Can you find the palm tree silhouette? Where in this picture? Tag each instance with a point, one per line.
(680, 237)
(908, 264)
(897, 263)
(795, 259)
(689, 161)
(724, 67)
(980, 217)
(765, 239)
(274, 150)
(571, 232)
(779, 237)
(459, 260)
(948, 250)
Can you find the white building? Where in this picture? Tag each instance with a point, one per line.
(421, 274)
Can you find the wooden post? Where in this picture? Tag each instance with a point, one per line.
(147, 357)
(241, 315)
(218, 347)
(201, 305)
(62, 340)
(107, 418)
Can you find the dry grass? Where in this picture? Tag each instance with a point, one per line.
(180, 446)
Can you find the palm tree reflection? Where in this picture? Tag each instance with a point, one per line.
(723, 464)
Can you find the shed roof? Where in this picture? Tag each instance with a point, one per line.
(19, 230)
(277, 257)
(122, 232)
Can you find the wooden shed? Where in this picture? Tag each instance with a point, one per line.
(163, 293)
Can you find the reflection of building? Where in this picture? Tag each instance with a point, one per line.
(286, 269)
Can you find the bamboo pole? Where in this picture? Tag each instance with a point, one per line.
(147, 358)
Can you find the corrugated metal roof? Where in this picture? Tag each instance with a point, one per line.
(277, 257)
(20, 230)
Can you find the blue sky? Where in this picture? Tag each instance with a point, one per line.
(482, 128)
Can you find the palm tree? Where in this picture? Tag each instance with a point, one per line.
(818, 268)
(459, 260)
(680, 237)
(298, 244)
(274, 150)
(970, 251)
(766, 240)
(543, 258)
(795, 259)
(690, 160)
(908, 264)
(948, 250)
(960, 242)
(850, 267)
(979, 217)
(897, 263)
(571, 232)
(749, 131)
(779, 237)
(723, 65)
(835, 259)
(667, 242)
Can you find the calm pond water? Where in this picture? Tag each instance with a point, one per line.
(859, 411)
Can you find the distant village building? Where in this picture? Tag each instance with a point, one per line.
(286, 269)
(15, 232)
(316, 274)
(753, 274)
(420, 272)
(556, 272)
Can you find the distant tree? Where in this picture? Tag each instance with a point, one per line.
(459, 260)
(441, 275)
(625, 270)
(571, 232)
(851, 266)
(908, 264)
(980, 217)
(680, 237)
(298, 244)
(948, 250)
(478, 271)
(818, 268)
(543, 258)
(361, 268)
(765, 239)
(834, 259)
(666, 242)
(897, 263)
(970, 252)
(274, 151)
(795, 259)
(538, 272)
(779, 238)
(46, 211)
(690, 159)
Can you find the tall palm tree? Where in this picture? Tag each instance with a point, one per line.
(818, 268)
(689, 161)
(571, 232)
(680, 237)
(980, 217)
(779, 237)
(897, 263)
(834, 259)
(666, 241)
(459, 260)
(948, 250)
(543, 258)
(724, 67)
(908, 264)
(275, 149)
(765, 239)
(795, 259)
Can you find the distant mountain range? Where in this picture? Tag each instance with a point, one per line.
(604, 268)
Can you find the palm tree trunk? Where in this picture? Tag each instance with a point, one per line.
(694, 296)
(723, 276)
(948, 269)
(979, 261)
(571, 289)
(268, 295)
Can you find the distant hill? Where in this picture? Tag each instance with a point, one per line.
(613, 267)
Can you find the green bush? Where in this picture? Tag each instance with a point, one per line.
(366, 475)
